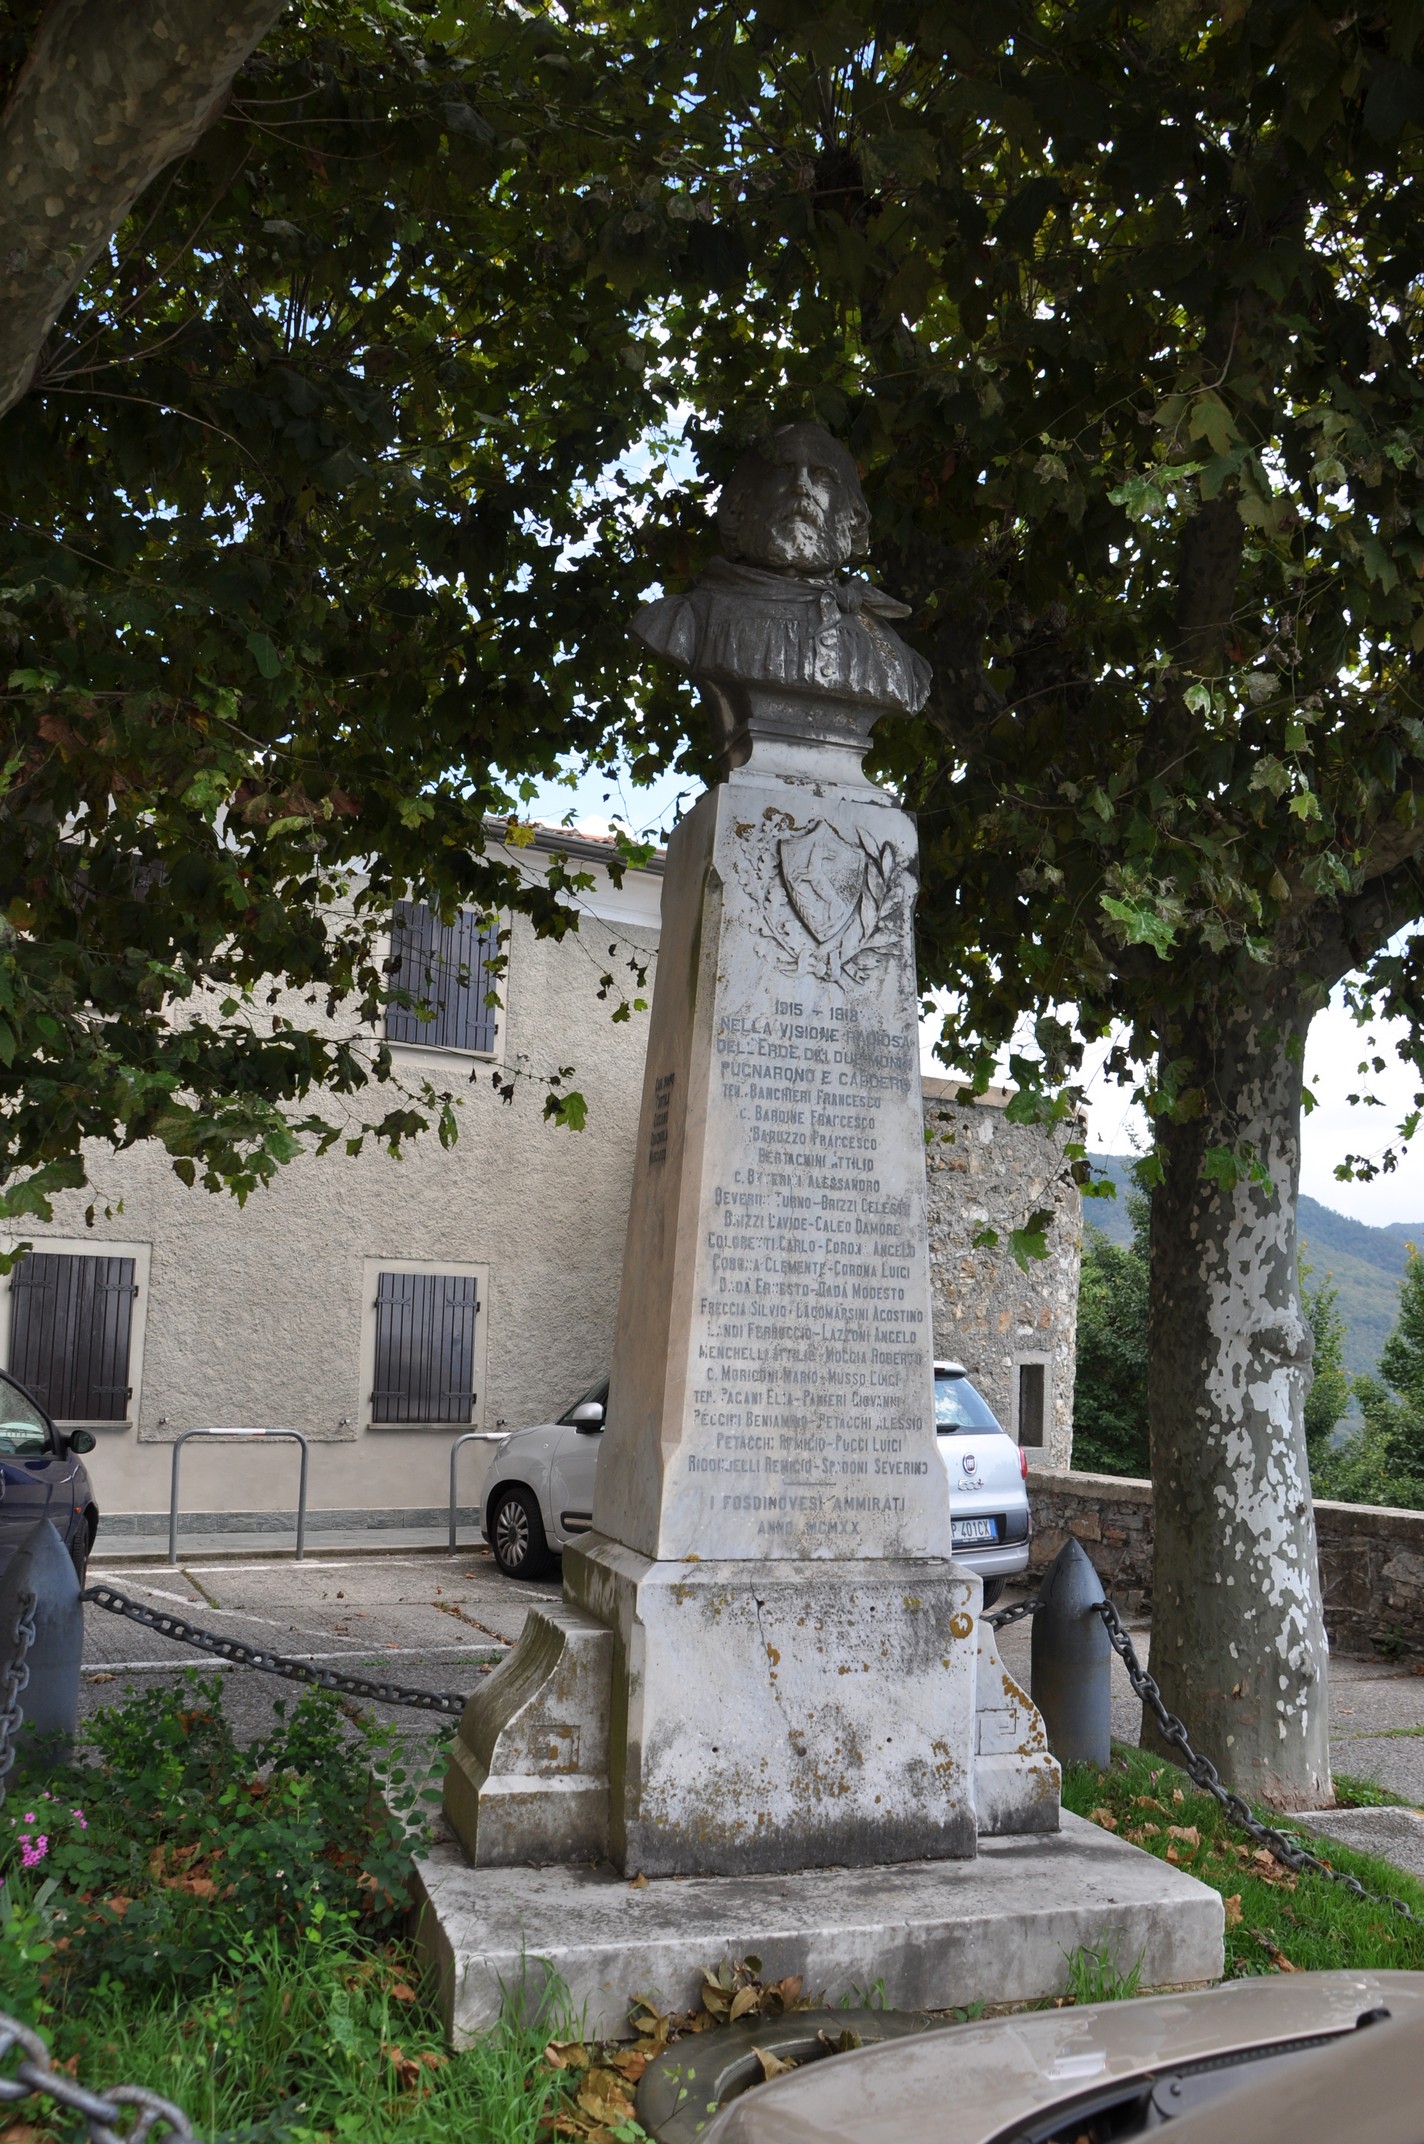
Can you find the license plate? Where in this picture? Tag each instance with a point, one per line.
(964, 1531)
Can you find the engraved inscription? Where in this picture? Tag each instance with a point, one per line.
(662, 1102)
(812, 1333)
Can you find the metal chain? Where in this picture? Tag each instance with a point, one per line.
(250, 1656)
(35, 2076)
(1281, 1845)
(14, 1681)
(1000, 1618)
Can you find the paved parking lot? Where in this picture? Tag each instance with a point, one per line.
(436, 1621)
(431, 1621)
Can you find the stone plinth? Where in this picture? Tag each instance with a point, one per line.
(932, 1934)
(775, 1714)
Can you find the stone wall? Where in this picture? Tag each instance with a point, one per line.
(1371, 1559)
(989, 1315)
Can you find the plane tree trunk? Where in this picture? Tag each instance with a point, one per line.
(110, 92)
(1238, 1639)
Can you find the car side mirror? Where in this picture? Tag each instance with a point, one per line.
(81, 1440)
(587, 1418)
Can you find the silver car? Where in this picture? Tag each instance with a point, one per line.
(1268, 2060)
(538, 1494)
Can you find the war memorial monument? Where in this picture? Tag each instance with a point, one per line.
(768, 1690)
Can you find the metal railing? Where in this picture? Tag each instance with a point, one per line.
(292, 1436)
(471, 1436)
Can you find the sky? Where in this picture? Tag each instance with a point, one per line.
(1330, 1131)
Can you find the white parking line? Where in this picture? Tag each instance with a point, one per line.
(113, 1572)
(370, 1660)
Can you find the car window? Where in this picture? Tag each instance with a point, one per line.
(597, 1392)
(23, 1429)
(959, 1406)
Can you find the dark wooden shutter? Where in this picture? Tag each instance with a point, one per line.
(445, 967)
(69, 1333)
(1031, 1396)
(425, 1348)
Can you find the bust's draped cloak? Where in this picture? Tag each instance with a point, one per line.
(742, 624)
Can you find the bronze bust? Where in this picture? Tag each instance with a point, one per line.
(774, 611)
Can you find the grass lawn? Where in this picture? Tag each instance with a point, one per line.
(1275, 1921)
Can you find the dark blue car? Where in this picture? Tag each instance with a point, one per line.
(42, 1476)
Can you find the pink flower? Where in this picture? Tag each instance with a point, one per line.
(33, 1851)
(29, 1817)
(83, 1819)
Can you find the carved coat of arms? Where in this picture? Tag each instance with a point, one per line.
(832, 902)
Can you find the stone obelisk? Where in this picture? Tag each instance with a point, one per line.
(767, 1659)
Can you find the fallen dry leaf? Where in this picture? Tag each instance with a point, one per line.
(1103, 1817)
(409, 2068)
(1187, 1833)
(630, 2062)
(639, 1882)
(1233, 1910)
(772, 2065)
(744, 2000)
(601, 2094)
(1178, 1796)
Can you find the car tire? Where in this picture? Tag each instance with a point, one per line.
(79, 1552)
(993, 1591)
(516, 1534)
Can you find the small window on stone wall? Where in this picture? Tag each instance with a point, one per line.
(1032, 1407)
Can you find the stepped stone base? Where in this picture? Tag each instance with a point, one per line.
(933, 1934)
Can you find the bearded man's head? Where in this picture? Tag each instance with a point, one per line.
(797, 507)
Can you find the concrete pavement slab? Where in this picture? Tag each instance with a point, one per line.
(1396, 1835)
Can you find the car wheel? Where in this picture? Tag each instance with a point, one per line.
(79, 1549)
(516, 1531)
(993, 1591)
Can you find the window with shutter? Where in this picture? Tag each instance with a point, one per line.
(425, 1348)
(446, 969)
(70, 1327)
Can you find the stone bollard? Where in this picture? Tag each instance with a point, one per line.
(1072, 1661)
(50, 1702)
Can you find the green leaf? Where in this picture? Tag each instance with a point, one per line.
(1141, 923)
(264, 654)
(1212, 420)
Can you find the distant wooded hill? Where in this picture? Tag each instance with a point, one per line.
(1363, 1263)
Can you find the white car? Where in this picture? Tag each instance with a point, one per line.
(539, 1490)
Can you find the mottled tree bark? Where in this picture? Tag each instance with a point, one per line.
(111, 91)
(1238, 1640)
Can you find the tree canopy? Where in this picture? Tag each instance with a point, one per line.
(298, 581)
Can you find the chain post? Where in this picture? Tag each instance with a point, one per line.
(1071, 1674)
(42, 1568)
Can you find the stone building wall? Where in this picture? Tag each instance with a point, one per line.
(1371, 1559)
(999, 1321)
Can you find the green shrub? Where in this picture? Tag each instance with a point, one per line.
(170, 1846)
